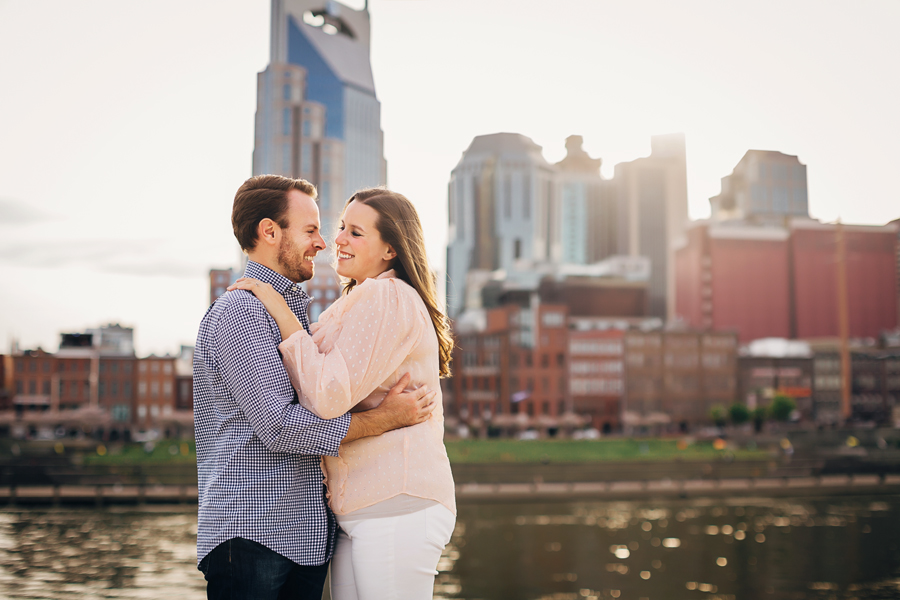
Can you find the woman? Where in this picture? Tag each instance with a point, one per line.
(393, 494)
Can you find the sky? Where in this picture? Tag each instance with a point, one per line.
(126, 127)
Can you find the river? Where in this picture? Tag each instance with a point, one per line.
(732, 548)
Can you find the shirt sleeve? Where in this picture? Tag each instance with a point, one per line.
(380, 325)
(255, 375)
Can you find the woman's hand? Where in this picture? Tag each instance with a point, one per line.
(264, 291)
(273, 301)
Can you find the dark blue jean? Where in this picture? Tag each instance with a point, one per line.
(241, 569)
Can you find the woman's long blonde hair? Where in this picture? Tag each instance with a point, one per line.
(399, 225)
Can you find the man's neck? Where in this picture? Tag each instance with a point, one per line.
(269, 263)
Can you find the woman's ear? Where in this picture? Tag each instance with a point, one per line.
(390, 253)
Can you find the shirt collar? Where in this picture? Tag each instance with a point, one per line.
(279, 282)
(389, 274)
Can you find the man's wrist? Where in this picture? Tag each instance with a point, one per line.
(366, 424)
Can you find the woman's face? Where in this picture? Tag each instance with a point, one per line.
(361, 253)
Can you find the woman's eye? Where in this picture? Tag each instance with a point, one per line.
(355, 234)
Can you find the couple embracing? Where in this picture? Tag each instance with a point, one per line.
(282, 407)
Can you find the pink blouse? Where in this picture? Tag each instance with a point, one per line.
(359, 348)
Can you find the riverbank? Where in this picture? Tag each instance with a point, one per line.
(84, 472)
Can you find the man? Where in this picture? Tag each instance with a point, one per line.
(264, 529)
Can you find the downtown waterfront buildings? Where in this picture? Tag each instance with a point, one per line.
(653, 315)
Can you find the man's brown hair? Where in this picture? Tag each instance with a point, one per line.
(263, 197)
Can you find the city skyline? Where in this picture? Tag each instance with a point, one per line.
(122, 149)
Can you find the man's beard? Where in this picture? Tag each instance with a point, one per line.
(291, 260)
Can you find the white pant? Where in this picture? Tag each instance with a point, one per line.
(390, 558)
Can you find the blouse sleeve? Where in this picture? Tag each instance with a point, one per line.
(380, 326)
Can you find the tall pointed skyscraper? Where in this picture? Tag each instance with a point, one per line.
(317, 114)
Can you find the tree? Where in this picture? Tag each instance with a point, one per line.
(739, 413)
(718, 415)
(782, 407)
(759, 415)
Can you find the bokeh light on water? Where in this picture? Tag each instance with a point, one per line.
(102, 553)
(739, 549)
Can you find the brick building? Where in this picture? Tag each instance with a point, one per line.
(155, 390)
(93, 383)
(596, 376)
(674, 378)
(767, 281)
(511, 369)
(760, 378)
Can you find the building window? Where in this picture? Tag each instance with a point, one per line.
(286, 121)
(507, 196)
(517, 249)
(287, 91)
(526, 198)
(553, 319)
(167, 368)
(306, 159)
(32, 387)
(325, 191)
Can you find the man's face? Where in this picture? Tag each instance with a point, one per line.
(301, 241)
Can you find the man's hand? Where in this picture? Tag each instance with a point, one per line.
(398, 409)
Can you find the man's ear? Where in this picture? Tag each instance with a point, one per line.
(268, 231)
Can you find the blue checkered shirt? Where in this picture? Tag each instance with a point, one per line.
(257, 449)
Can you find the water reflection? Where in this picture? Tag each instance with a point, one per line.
(106, 553)
(727, 549)
(740, 549)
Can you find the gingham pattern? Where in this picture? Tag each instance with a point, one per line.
(257, 449)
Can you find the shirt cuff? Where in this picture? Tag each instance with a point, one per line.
(341, 426)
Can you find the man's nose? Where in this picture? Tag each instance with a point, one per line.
(319, 242)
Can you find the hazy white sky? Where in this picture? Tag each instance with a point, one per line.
(126, 127)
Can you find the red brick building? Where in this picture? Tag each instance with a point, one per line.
(674, 378)
(597, 376)
(782, 281)
(510, 369)
(155, 397)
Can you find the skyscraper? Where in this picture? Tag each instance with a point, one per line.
(766, 187)
(499, 198)
(317, 113)
(587, 211)
(653, 214)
